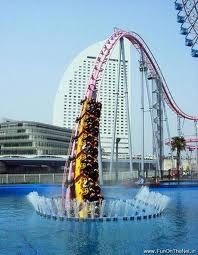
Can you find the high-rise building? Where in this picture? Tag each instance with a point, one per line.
(72, 89)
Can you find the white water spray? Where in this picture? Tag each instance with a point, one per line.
(145, 204)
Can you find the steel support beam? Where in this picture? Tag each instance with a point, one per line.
(155, 147)
(116, 110)
(158, 121)
(168, 133)
(179, 131)
(100, 161)
(127, 104)
(196, 147)
(142, 70)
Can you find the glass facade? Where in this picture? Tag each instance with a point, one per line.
(72, 89)
(33, 138)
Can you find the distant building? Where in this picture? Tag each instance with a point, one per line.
(72, 89)
(33, 138)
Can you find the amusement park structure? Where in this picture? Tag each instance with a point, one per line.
(188, 18)
(83, 168)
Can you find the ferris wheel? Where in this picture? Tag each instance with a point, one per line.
(187, 16)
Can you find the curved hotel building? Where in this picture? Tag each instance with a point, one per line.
(72, 89)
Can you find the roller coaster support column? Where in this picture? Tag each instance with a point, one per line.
(153, 87)
(127, 105)
(196, 136)
(158, 120)
(168, 132)
(156, 152)
(179, 132)
(100, 160)
(161, 138)
(143, 69)
(116, 110)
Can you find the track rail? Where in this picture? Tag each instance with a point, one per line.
(151, 63)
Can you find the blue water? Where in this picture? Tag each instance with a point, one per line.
(189, 183)
(23, 232)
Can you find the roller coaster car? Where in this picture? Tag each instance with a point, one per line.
(194, 53)
(183, 31)
(189, 42)
(178, 6)
(180, 19)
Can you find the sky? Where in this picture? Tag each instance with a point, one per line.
(40, 38)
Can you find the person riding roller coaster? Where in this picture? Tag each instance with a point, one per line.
(92, 123)
(91, 170)
(93, 105)
(94, 111)
(88, 159)
(92, 164)
(91, 191)
(90, 138)
(94, 108)
(92, 144)
(88, 153)
(91, 130)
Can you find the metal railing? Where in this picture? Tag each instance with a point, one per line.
(56, 178)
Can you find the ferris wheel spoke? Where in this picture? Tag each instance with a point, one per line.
(187, 16)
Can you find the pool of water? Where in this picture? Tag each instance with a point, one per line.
(22, 231)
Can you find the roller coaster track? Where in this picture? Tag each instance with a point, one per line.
(151, 63)
(76, 176)
(188, 141)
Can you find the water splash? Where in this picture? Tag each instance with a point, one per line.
(146, 204)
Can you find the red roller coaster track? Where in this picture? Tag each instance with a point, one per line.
(96, 76)
(188, 140)
(151, 63)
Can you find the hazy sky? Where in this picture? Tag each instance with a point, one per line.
(40, 38)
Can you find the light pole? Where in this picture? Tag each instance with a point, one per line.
(116, 166)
